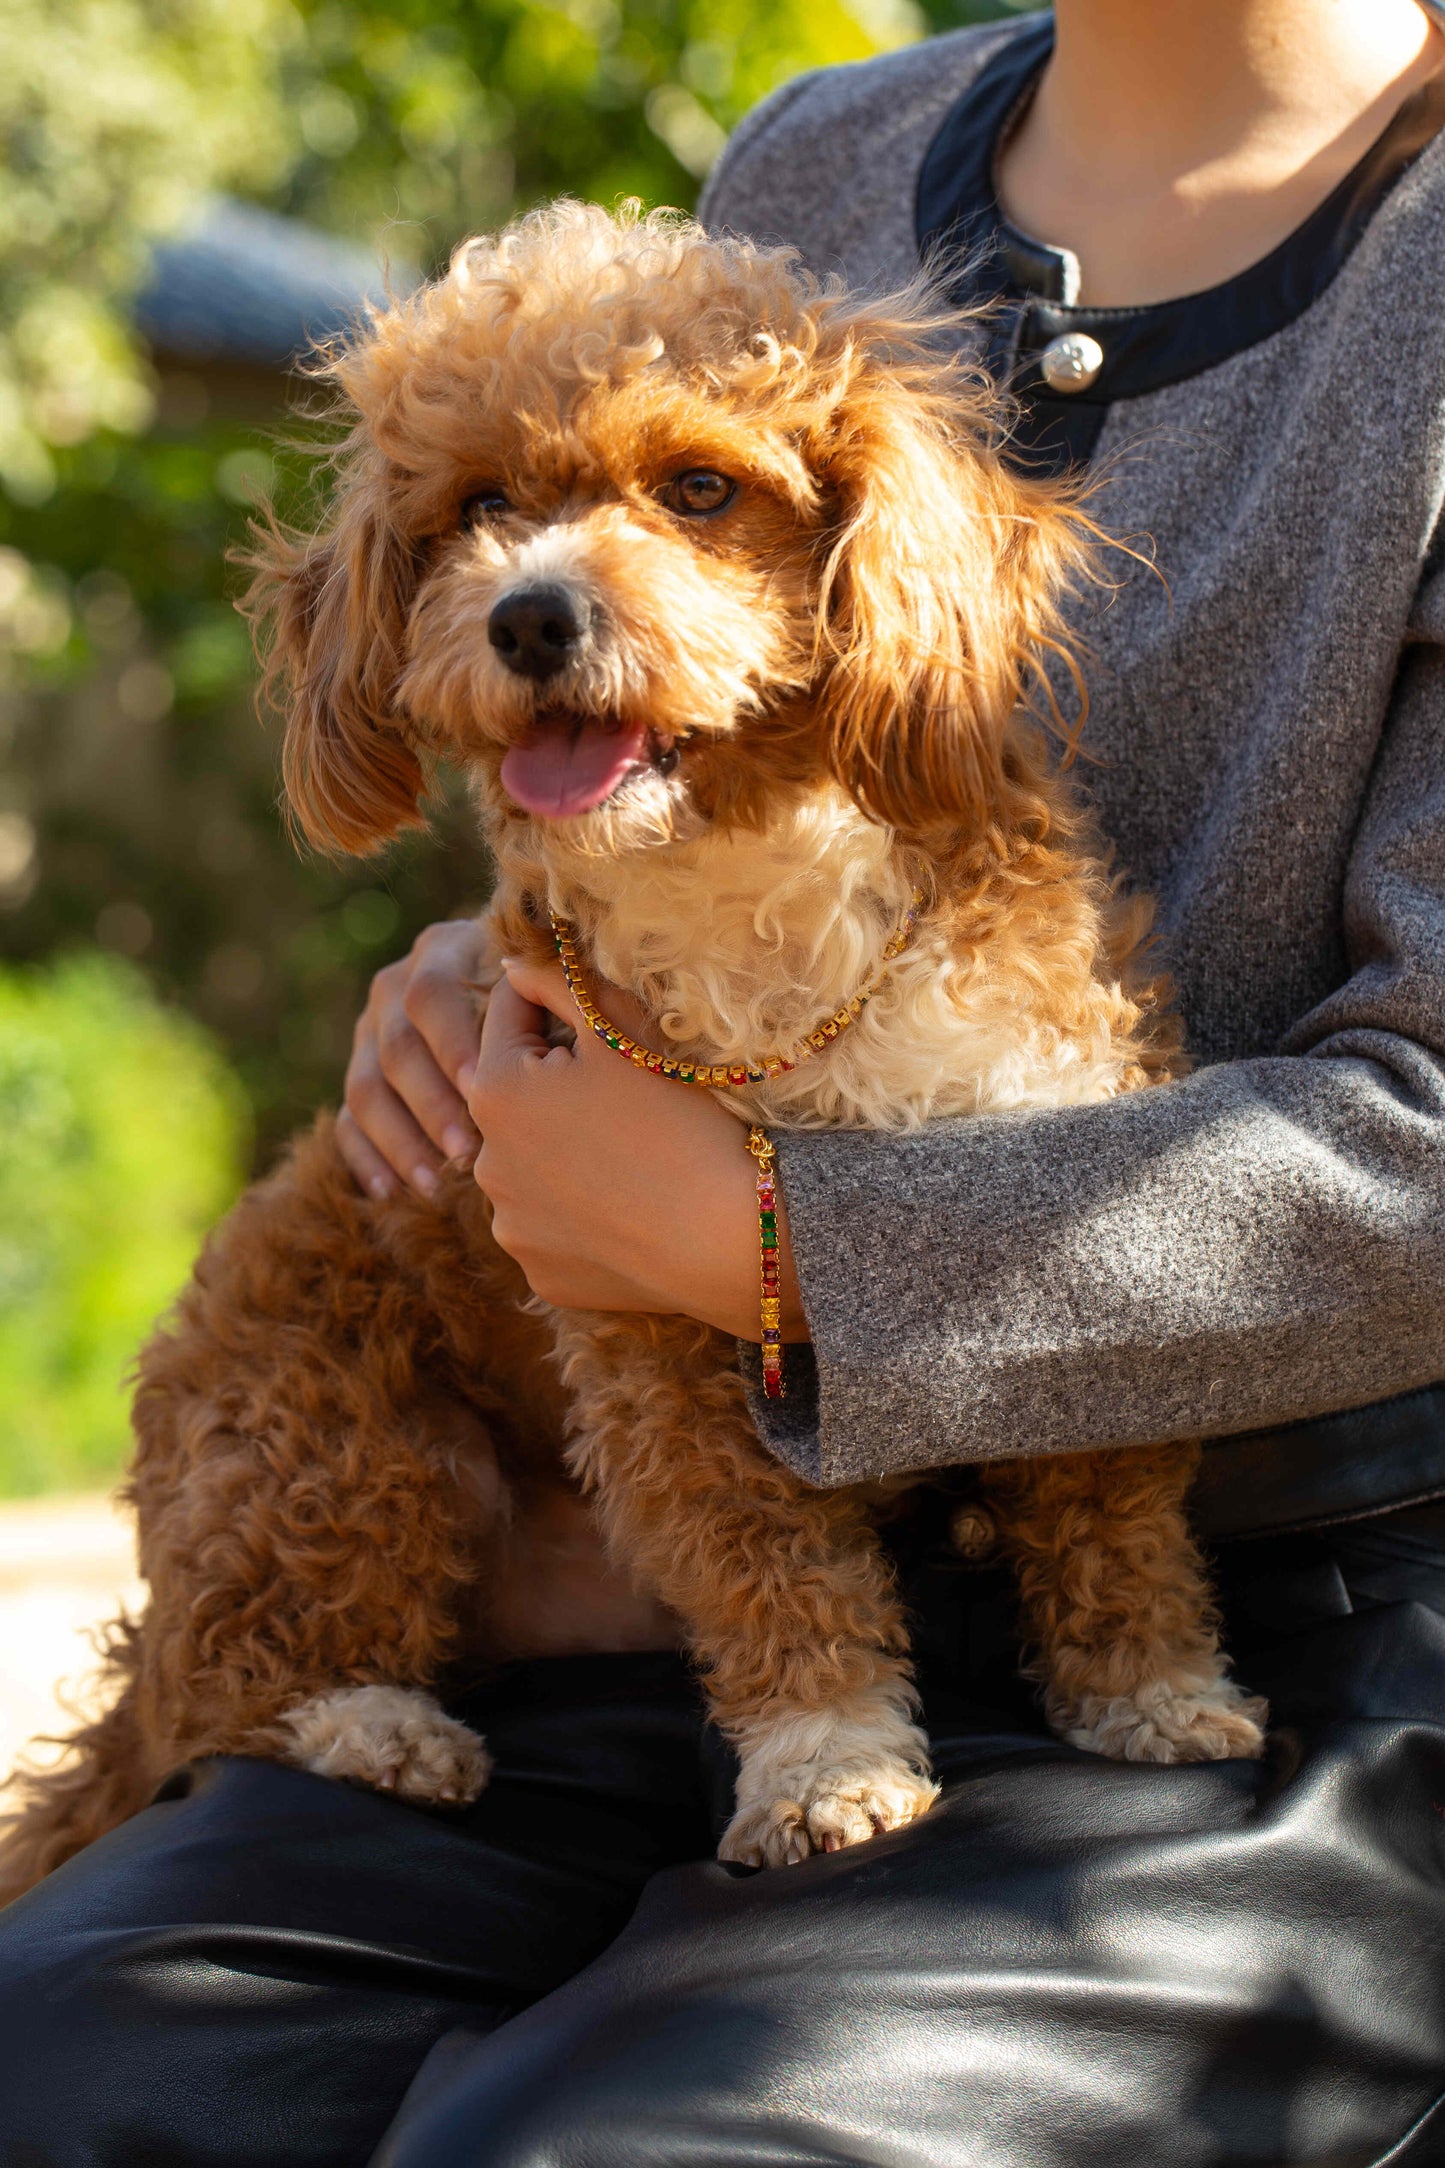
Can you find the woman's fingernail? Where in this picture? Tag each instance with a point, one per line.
(457, 1143)
(424, 1180)
(466, 1077)
(380, 1187)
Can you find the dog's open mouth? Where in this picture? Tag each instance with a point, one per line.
(567, 764)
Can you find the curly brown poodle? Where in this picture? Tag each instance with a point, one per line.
(712, 578)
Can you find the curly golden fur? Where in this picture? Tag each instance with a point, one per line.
(798, 610)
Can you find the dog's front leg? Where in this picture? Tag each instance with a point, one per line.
(783, 1591)
(1117, 1607)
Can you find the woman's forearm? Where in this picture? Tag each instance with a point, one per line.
(1262, 1242)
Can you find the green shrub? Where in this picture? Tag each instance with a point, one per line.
(122, 1136)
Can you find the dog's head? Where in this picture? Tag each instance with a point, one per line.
(646, 528)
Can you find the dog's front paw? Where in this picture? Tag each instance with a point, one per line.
(821, 1810)
(1159, 1723)
(391, 1738)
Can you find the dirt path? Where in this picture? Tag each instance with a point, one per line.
(66, 1565)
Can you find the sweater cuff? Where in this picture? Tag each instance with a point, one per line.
(789, 1427)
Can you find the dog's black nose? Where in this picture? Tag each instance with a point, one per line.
(537, 630)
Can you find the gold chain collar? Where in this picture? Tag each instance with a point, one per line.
(729, 1076)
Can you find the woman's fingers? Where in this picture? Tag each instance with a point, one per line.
(413, 1054)
(516, 1021)
(371, 1172)
(382, 1120)
(545, 986)
(441, 1000)
(415, 1077)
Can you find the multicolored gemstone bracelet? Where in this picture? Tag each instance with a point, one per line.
(760, 1144)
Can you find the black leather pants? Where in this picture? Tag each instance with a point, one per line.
(1069, 1964)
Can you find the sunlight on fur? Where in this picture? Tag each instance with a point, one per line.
(713, 579)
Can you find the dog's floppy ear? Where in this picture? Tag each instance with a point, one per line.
(940, 591)
(329, 612)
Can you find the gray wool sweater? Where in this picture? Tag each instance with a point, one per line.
(1265, 1240)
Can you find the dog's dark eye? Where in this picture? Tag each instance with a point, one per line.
(486, 505)
(699, 491)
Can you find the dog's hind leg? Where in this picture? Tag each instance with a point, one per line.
(784, 1593)
(317, 1480)
(1117, 1609)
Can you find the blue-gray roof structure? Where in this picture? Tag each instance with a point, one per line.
(244, 285)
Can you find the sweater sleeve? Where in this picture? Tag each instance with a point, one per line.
(1260, 1242)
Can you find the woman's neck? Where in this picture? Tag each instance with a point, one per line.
(1172, 144)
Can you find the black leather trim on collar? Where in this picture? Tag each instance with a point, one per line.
(963, 235)
(956, 210)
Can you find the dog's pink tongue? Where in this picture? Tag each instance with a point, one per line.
(565, 768)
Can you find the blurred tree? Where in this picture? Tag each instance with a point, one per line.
(121, 1137)
(114, 114)
(421, 122)
(137, 801)
(143, 810)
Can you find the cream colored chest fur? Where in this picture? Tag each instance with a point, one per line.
(737, 945)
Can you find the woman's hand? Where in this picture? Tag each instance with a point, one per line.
(613, 1189)
(412, 1057)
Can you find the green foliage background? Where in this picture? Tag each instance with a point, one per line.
(138, 816)
(120, 1132)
